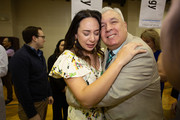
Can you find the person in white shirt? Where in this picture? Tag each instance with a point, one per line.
(3, 72)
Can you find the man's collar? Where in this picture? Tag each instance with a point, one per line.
(31, 47)
(38, 52)
(116, 50)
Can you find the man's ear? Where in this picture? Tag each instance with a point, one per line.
(34, 38)
(125, 25)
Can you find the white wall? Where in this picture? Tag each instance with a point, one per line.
(6, 18)
(54, 16)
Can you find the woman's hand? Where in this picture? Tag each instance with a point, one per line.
(128, 51)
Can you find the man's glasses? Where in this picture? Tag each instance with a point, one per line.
(42, 37)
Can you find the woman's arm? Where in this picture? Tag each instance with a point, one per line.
(89, 95)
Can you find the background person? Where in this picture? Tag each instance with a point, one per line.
(58, 86)
(29, 74)
(170, 42)
(3, 72)
(152, 38)
(7, 80)
(8, 45)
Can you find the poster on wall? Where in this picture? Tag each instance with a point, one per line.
(77, 5)
(151, 13)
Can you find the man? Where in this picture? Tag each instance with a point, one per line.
(135, 94)
(3, 71)
(7, 43)
(30, 78)
(170, 42)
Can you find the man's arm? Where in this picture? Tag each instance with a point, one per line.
(3, 62)
(19, 67)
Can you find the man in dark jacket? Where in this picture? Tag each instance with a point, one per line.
(30, 78)
(8, 45)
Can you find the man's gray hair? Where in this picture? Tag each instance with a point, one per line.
(115, 9)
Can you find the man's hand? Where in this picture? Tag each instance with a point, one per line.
(36, 117)
(51, 100)
(173, 107)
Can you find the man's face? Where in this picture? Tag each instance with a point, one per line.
(6, 43)
(40, 39)
(114, 29)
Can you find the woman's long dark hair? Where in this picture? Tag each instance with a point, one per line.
(57, 52)
(70, 36)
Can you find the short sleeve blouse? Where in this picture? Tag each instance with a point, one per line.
(69, 65)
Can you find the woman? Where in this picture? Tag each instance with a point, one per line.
(152, 38)
(58, 86)
(80, 65)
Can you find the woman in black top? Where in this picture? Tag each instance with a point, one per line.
(58, 86)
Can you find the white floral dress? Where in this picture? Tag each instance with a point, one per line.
(69, 65)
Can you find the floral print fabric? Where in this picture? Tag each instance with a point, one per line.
(69, 65)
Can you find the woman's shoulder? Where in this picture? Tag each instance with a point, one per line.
(69, 65)
(68, 53)
(71, 56)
